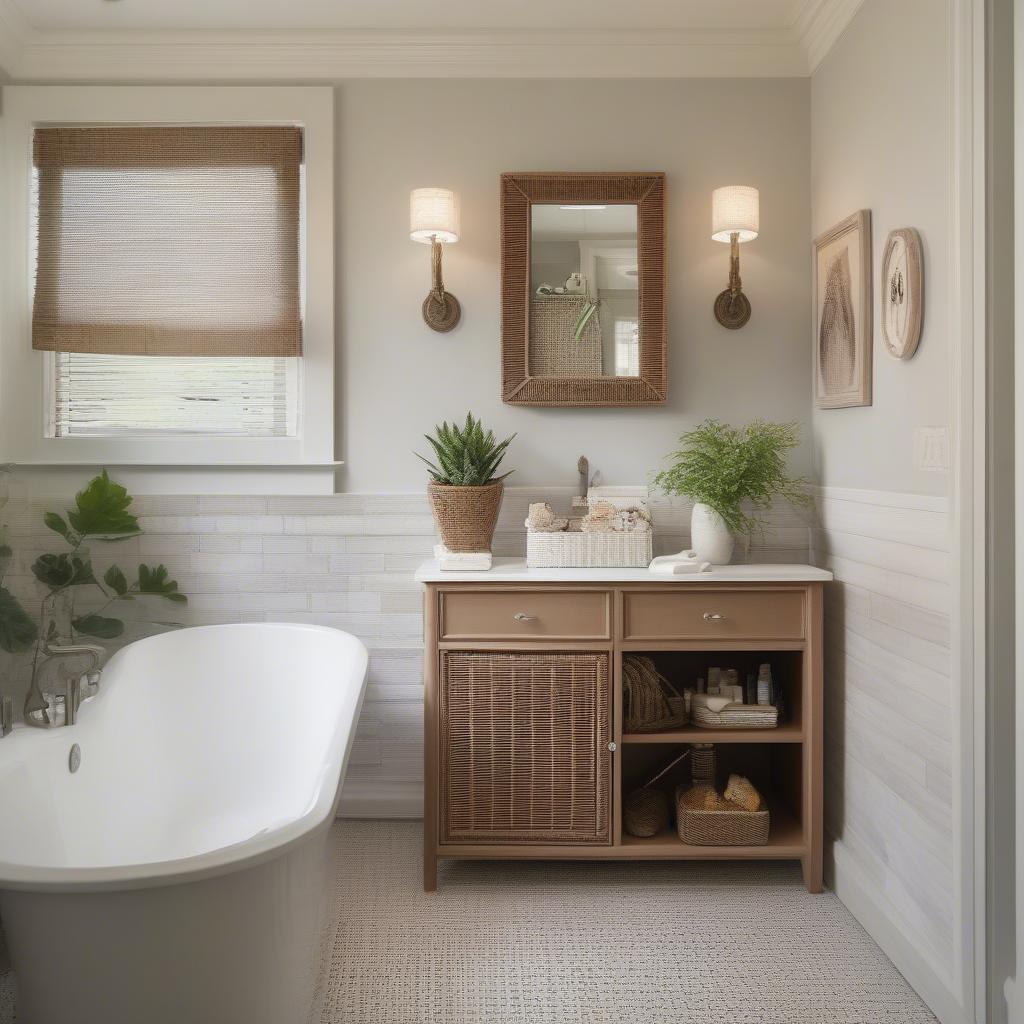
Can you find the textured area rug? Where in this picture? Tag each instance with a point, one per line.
(582, 943)
(585, 943)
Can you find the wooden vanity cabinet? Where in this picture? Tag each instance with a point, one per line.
(525, 754)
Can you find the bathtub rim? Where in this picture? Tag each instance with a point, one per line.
(223, 859)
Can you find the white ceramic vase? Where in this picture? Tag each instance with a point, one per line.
(710, 538)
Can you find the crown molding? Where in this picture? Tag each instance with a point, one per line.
(818, 24)
(332, 55)
(28, 54)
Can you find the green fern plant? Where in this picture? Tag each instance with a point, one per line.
(724, 466)
(466, 457)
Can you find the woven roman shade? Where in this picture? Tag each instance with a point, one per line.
(168, 240)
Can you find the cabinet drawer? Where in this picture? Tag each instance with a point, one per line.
(714, 614)
(525, 614)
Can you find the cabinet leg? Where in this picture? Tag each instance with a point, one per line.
(429, 871)
(812, 870)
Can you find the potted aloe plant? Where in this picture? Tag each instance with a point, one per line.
(465, 495)
(721, 467)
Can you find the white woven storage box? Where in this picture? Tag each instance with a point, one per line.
(588, 550)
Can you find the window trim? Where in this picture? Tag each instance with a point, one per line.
(23, 387)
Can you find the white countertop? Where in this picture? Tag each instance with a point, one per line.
(514, 570)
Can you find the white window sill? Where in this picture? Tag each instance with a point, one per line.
(255, 478)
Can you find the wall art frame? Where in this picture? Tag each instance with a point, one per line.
(902, 296)
(843, 314)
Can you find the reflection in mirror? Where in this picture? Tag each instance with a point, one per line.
(584, 297)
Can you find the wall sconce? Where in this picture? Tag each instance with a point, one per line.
(434, 219)
(735, 218)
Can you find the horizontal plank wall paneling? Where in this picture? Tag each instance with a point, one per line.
(345, 561)
(888, 714)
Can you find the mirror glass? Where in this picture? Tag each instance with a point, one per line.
(584, 297)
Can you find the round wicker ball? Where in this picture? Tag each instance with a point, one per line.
(645, 812)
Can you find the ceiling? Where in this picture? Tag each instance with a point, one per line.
(317, 40)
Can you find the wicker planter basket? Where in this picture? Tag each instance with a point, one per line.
(720, 828)
(588, 550)
(466, 516)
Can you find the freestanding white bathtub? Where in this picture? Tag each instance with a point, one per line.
(179, 876)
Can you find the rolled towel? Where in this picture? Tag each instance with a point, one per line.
(703, 797)
(742, 793)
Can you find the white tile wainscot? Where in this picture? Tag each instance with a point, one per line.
(343, 560)
(888, 721)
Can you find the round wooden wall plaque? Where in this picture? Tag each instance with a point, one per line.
(902, 292)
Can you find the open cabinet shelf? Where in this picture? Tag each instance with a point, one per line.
(785, 841)
(788, 732)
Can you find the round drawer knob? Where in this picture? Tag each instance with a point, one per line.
(522, 617)
(613, 746)
(713, 617)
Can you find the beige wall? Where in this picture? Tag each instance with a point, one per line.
(396, 378)
(880, 139)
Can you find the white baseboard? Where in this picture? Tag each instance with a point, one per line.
(368, 799)
(1014, 1000)
(849, 883)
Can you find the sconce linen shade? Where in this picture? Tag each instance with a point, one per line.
(433, 213)
(167, 240)
(735, 209)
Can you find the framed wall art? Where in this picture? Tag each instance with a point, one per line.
(843, 314)
(902, 292)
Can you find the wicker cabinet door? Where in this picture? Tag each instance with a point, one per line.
(524, 748)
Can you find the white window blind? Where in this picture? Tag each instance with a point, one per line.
(97, 395)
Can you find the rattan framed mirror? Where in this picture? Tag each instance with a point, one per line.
(583, 289)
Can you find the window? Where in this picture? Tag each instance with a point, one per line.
(627, 347)
(180, 244)
(177, 259)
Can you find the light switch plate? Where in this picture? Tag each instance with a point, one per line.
(932, 449)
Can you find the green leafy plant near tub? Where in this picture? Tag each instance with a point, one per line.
(726, 470)
(465, 494)
(101, 513)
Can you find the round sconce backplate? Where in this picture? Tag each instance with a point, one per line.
(441, 314)
(732, 311)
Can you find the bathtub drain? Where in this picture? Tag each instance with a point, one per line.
(74, 758)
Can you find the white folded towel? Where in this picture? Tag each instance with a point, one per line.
(715, 703)
(678, 564)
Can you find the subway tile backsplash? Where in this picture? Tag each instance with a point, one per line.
(344, 561)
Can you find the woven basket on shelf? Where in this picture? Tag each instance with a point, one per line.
(466, 516)
(651, 702)
(588, 550)
(733, 716)
(645, 812)
(720, 828)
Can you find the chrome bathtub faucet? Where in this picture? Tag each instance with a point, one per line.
(77, 685)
